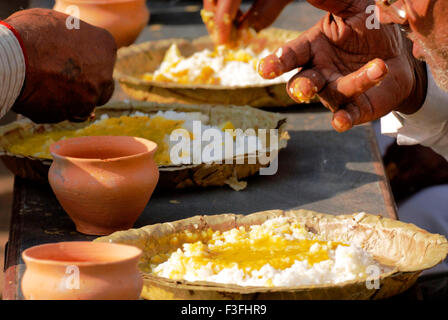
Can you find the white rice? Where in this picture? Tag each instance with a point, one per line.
(345, 263)
(231, 73)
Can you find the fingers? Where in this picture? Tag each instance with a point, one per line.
(361, 110)
(79, 118)
(263, 13)
(305, 85)
(375, 103)
(226, 11)
(106, 94)
(348, 87)
(208, 14)
(344, 119)
(363, 79)
(293, 54)
(209, 5)
(80, 113)
(345, 91)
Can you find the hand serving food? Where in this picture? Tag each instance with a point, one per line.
(360, 74)
(223, 17)
(69, 71)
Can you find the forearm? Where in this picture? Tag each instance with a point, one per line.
(12, 68)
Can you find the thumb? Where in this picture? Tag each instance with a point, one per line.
(226, 12)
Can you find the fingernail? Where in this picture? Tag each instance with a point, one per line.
(341, 124)
(338, 123)
(298, 94)
(374, 72)
(268, 67)
(304, 90)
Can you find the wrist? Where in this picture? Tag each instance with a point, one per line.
(418, 94)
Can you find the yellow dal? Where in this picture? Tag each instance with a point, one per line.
(249, 250)
(153, 129)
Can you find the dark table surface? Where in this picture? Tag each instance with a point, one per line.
(320, 170)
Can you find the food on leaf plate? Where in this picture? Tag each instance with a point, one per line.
(222, 66)
(24, 146)
(276, 254)
(156, 127)
(178, 70)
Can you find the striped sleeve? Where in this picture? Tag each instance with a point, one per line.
(12, 68)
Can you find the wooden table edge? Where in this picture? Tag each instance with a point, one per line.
(12, 261)
(378, 164)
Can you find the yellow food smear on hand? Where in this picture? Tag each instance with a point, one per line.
(207, 18)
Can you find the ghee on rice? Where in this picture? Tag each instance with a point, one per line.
(278, 253)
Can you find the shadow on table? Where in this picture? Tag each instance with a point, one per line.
(298, 108)
(316, 171)
(313, 170)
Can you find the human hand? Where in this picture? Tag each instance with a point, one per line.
(357, 73)
(69, 72)
(223, 17)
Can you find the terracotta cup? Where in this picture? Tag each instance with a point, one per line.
(82, 271)
(103, 182)
(124, 19)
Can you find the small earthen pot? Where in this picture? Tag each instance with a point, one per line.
(124, 19)
(103, 182)
(82, 271)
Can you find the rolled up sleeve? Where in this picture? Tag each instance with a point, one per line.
(428, 126)
(12, 69)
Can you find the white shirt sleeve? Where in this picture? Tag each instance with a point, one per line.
(12, 69)
(428, 126)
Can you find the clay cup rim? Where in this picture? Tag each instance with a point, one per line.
(81, 253)
(100, 2)
(102, 148)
